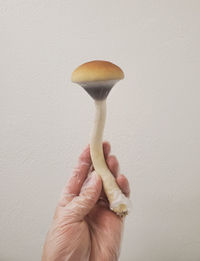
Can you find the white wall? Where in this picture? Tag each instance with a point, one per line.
(153, 118)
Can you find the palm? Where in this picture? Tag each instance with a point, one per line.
(97, 237)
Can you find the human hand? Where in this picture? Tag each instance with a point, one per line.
(84, 228)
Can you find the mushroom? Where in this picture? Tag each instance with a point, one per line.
(98, 78)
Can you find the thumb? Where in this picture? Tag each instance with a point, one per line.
(81, 205)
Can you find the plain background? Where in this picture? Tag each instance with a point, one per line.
(152, 124)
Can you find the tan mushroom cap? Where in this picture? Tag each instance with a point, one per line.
(97, 71)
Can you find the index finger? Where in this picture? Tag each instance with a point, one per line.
(75, 181)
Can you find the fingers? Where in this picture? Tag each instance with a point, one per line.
(75, 182)
(123, 184)
(113, 165)
(80, 172)
(81, 205)
(106, 148)
(121, 180)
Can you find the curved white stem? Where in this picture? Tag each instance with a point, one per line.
(118, 201)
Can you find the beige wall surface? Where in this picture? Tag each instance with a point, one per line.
(152, 124)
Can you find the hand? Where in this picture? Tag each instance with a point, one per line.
(84, 228)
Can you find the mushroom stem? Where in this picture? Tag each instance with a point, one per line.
(118, 201)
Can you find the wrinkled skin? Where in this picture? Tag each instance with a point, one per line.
(84, 228)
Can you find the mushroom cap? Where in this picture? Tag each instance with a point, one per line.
(97, 71)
